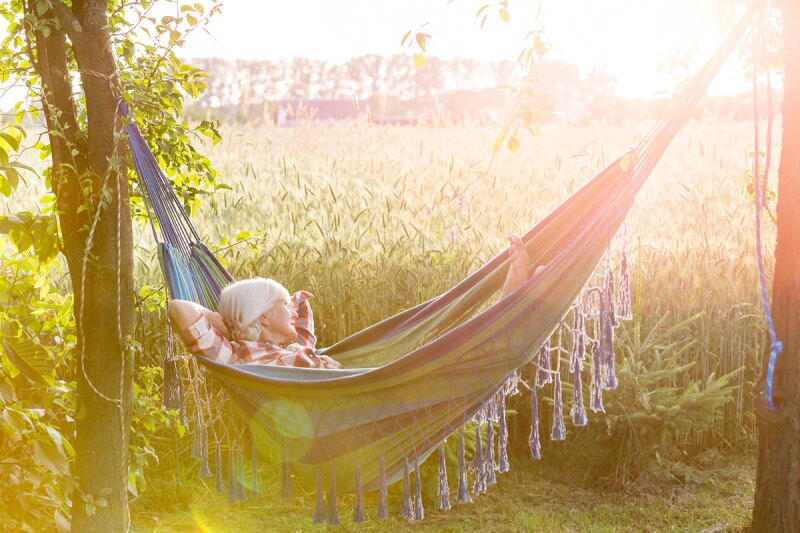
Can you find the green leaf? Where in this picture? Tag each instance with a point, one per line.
(7, 394)
(62, 523)
(12, 141)
(31, 359)
(18, 421)
(421, 38)
(132, 483)
(12, 176)
(5, 186)
(50, 456)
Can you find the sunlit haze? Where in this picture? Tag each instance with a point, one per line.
(633, 41)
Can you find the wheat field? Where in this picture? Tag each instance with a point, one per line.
(374, 219)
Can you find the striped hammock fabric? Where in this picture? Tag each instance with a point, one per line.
(416, 378)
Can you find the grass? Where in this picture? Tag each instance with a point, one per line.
(715, 494)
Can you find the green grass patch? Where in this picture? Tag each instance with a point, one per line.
(714, 493)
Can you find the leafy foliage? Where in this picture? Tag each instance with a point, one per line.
(154, 81)
(148, 419)
(37, 324)
(155, 84)
(37, 393)
(657, 408)
(38, 399)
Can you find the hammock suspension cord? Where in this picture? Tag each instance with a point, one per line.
(760, 192)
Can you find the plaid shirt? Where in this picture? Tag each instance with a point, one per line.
(201, 338)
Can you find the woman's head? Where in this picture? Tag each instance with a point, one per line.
(258, 309)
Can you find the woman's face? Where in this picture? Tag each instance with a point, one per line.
(280, 322)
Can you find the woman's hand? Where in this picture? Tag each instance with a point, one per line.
(330, 363)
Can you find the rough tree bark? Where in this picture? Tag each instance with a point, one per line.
(777, 498)
(89, 179)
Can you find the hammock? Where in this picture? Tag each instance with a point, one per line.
(414, 379)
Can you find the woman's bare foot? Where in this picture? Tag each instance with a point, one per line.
(520, 266)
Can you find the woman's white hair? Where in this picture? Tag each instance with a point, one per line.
(241, 303)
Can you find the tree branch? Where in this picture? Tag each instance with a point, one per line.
(71, 25)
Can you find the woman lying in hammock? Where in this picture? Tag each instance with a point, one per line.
(271, 327)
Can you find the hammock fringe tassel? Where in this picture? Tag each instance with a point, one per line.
(173, 386)
(232, 496)
(254, 468)
(502, 445)
(205, 471)
(220, 485)
(543, 376)
(596, 385)
(608, 322)
(559, 430)
(240, 494)
(333, 512)
(358, 508)
(319, 512)
(286, 480)
(625, 310)
(444, 489)
(419, 512)
(490, 466)
(533, 441)
(578, 411)
(463, 494)
(478, 464)
(405, 504)
(382, 510)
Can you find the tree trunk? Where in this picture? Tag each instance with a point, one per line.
(777, 498)
(106, 289)
(89, 179)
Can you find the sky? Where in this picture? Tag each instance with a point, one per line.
(628, 39)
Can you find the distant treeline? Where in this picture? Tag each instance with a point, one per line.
(393, 89)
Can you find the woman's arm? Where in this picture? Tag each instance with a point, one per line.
(183, 314)
(304, 323)
(199, 334)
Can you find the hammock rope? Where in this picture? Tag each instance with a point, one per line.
(414, 379)
(760, 192)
